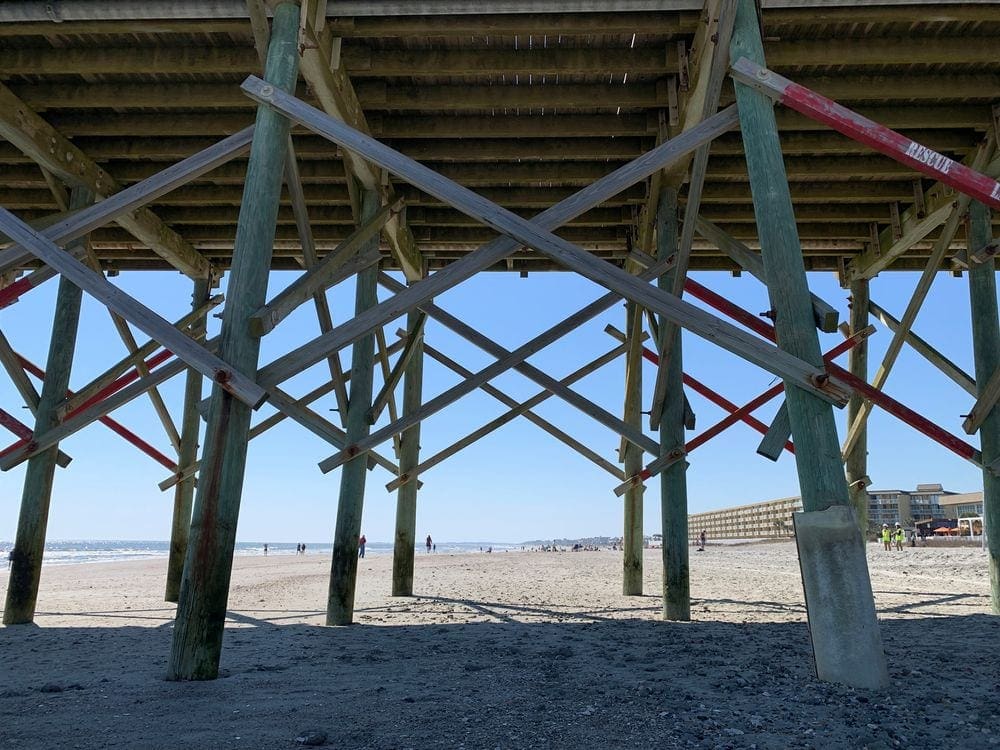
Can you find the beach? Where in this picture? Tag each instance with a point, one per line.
(504, 650)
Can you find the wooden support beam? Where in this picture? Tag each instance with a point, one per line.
(382, 356)
(889, 404)
(940, 249)
(29, 543)
(310, 260)
(959, 376)
(518, 364)
(48, 147)
(986, 348)
(854, 654)
(266, 424)
(962, 178)
(21, 430)
(128, 200)
(414, 344)
(631, 456)
(333, 269)
(495, 251)
(344, 565)
(856, 462)
(516, 410)
(133, 311)
(702, 102)
(197, 637)
(507, 360)
(825, 315)
(777, 434)
(703, 390)
(95, 389)
(187, 454)
(774, 360)
(404, 541)
(673, 469)
(325, 73)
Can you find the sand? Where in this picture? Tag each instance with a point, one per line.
(509, 650)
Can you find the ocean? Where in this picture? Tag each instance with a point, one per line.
(72, 551)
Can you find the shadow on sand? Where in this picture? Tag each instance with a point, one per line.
(521, 678)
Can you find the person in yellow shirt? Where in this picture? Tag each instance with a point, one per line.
(900, 535)
(886, 537)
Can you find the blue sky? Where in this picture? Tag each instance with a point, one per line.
(516, 484)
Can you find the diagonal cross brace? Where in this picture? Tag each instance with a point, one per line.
(466, 331)
(861, 129)
(208, 364)
(495, 251)
(500, 366)
(806, 376)
(516, 410)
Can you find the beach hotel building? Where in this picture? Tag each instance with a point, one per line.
(773, 518)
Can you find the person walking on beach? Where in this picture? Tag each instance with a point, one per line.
(886, 537)
(265, 549)
(361, 545)
(701, 541)
(430, 542)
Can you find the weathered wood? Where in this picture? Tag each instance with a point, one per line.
(856, 462)
(29, 543)
(959, 376)
(986, 348)
(134, 196)
(777, 434)
(493, 252)
(516, 410)
(21, 430)
(507, 360)
(133, 311)
(775, 360)
(326, 74)
(817, 455)
(87, 393)
(334, 268)
(882, 139)
(826, 315)
(518, 364)
(673, 473)
(275, 419)
(55, 153)
(186, 454)
(414, 343)
(940, 249)
(632, 533)
(201, 609)
(404, 541)
(310, 260)
(712, 64)
(382, 357)
(703, 390)
(344, 565)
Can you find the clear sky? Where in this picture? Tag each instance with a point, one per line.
(516, 484)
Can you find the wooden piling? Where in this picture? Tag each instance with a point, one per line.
(29, 543)
(632, 539)
(187, 455)
(344, 566)
(986, 347)
(673, 479)
(857, 458)
(201, 608)
(409, 459)
(817, 452)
